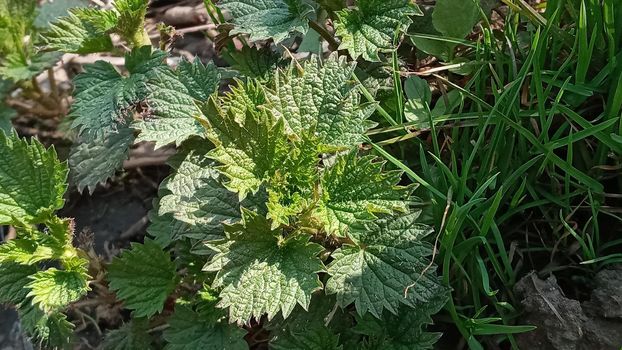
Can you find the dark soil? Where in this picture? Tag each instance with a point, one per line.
(568, 324)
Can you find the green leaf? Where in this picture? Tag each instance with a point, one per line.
(321, 97)
(13, 281)
(388, 267)
(16, 69)
(253, 62)
(51, 10)
(315, 329)
(191, 330)
(172, 117)
(370, 28)
(194, 194)
(423, 25)
(404, 331)
(6, 114)
(33, 180)
(94, 162)
(105, 100)
(52, 329)
(131, 336)
(455, 18)
(83, 31)
(356, 189)
(418, 99)
(54, 289)
(143, 277)
(261, 271)
(200, 80)
(268, 19)
(249, 149)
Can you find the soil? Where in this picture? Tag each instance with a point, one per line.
(568, 324)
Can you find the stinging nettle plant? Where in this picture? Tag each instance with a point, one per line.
(273, 215)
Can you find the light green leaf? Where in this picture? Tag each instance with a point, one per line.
(455, 18)
(54, 289)
(131, 22)
(263, 272)
(16, 69)
(33, 180)
(200, 80)
(250, 149)
(94, 162)
(268, 19)
(13, 281)
(143, 277)
(131, 336)
(83, 31)
(322, 98)
(388, 267)
(356, 189)
(370, 28)
(191, 330)
(55, 243)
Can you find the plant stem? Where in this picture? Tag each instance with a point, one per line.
(333, 45)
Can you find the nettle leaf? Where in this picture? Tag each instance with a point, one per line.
(33, 180)
(54, 289)
(16, 68)
(263, 272)
(105, 100)
(268, 19)
(92, 163)
(172, 112)
(190, 330)
(315, 329)
(323, 98)
(194, 194)
(388, 267)
(130, 23)
(52, 329)
(131, 336)
(143, 277)
(249, 149)
(370, 28)
(356, 189)
(404, 331)
(83, 31)
(32, 247)
(253, 62)
(200, 80)
(13, 281)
